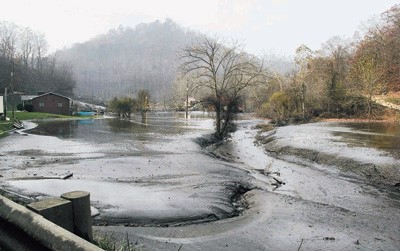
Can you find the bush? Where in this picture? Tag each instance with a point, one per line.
(20, 107)
(28, 108)
(278, 108)
(122, 106)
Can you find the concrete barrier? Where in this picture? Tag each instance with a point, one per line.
(40, 232)
(56, 210)
(82, 221)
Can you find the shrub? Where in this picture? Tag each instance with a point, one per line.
(20, 107)
(28, 108)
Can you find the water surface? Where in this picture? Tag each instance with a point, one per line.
(380, 135)
(116, 129)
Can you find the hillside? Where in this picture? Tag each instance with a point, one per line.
(126, 60)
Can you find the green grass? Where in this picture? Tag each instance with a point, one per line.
(38, 115)
(393, 100)
(5, 126)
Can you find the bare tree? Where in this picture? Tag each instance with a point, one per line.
(183, 88)
(303, 55)
(40, 50)
(26, 45)
(225, 72)
(8, 39)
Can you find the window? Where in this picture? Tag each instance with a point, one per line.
(41, 104)
(60, 104)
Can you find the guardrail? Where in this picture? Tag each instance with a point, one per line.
(23, 229)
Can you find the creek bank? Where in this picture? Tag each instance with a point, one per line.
(319, 145)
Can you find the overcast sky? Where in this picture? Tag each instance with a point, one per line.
(264, 26)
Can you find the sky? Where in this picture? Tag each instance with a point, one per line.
(263, 26)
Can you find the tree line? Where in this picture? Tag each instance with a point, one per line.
(338, 80)
(172, 63)
(24, 61)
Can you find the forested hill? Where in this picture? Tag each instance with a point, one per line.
(126, 60)
(24, 65)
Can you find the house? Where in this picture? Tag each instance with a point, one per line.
(26, 99)
(52, 103)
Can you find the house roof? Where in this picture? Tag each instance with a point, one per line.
(27, 97)
(51, 93)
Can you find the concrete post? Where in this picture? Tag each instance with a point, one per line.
(56, 210)
(82, 222)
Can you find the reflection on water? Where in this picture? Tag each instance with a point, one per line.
(107, 130)
(384, 136)
(61, 129)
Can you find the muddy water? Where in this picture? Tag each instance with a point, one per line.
(114, 129)
(384, 136)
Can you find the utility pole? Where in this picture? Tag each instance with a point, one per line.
(5, 103)
(187, 98)
(12, 93)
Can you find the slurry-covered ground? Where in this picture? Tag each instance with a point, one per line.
(298, 187)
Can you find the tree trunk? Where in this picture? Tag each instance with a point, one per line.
(218, 121)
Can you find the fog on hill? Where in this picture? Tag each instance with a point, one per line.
(127, 60)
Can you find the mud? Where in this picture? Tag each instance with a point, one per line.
(347, 154)
(142, 175)
(294, 188)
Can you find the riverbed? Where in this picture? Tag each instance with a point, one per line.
(296, 187)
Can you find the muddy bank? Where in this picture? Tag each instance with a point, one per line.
(323, 144)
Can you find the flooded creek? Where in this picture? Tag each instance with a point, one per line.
(380, 135)
(144, 172)
(114, 129)
(155, 175)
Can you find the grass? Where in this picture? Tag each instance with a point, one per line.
(393, 100)
(39, 115)
(109, 243)
(4, 127)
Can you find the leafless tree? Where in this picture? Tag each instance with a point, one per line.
(225, 72)
(26, 45)
(41, 45)
(8, 39)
